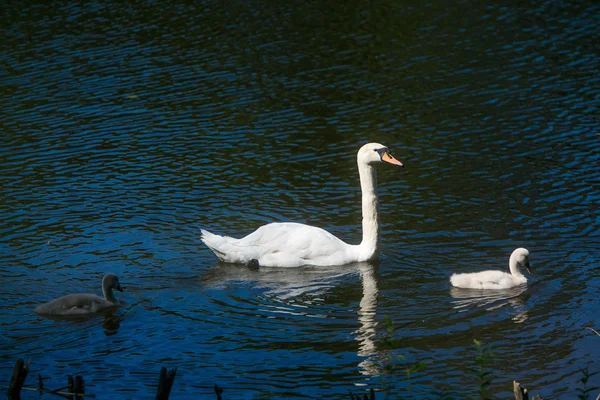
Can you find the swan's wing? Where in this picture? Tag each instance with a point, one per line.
(479, 280)
(291, 235)
(290, 242)
(74, 304)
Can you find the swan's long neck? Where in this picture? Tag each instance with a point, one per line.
(370, 215)
(109, 294)
(514, 266)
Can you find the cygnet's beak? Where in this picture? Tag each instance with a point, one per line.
(388, 158)
(119, 288)
(527, 266)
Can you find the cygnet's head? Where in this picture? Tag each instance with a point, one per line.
(521, 256)
(110, 280)
(374, 153)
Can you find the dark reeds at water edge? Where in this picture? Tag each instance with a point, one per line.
(75, 389)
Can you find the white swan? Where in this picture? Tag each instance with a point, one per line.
(288, 244)
(496, 279)
(84, 303)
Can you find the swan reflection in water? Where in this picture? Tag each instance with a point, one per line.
(284, 283)
(289, 283)
(110, 320)
(466, 299)
(367, 330)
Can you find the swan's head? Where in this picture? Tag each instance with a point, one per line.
(521, 257)
(374, 153)
(111, 281)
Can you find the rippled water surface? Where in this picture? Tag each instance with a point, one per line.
(126, 129)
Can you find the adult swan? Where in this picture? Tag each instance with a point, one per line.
(289, 244)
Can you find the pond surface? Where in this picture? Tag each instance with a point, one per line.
(126, 129)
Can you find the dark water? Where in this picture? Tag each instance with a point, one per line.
(126, 129)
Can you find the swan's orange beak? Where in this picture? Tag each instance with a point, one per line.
(388, 158)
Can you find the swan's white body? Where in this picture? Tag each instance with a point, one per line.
(289, 244)
(492, 279)
(84, 303)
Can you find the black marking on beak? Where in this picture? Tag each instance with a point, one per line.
(381, 151)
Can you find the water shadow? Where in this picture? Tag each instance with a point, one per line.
(466, 299)
(289, 283)
(110, 320)
(285, 283)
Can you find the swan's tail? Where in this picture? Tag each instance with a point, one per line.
(459, 280)
(213, 242)
(224, 247)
